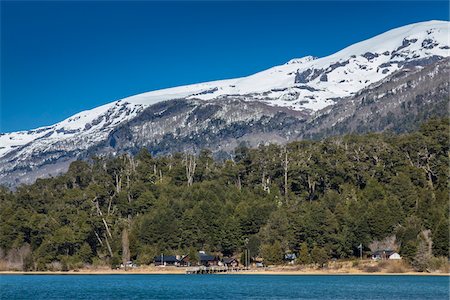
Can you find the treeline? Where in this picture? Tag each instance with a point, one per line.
(319, 199)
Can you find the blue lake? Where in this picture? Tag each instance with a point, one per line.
(222, 287)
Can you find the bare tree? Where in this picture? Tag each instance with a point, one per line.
(190, 164)
(388, 243)
(286, 165)
(108, 232)
(16, 259)
(125, 245)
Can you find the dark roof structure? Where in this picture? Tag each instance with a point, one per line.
(228, 260)
(206, 257)
(167, 259)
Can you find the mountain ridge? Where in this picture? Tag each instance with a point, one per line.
(261, 103)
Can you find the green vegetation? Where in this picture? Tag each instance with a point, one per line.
(320, 199)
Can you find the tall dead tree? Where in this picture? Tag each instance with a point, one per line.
(265, 182)
(286, 165)
(311, 186)
(190, 164)
(238, 182)
(125, 245)
(108, 232)
(118, 179)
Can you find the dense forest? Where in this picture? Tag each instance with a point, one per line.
(318, 199)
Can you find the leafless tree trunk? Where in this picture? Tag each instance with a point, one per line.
(100, 214)
(286, 165)
(429, 172)
(118, 182)
(98, 238)
(125, 246)
(265, 180)
(190, 168)
(108, 246)
(311, 187)
(109, 204)
(238, 182)
(99, 211)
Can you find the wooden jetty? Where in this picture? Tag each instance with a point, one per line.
(212, 270)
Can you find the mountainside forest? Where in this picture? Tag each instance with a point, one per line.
(319, 199)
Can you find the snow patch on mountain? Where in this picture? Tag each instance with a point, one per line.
(305, 84)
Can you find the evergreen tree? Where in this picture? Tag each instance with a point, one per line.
(319, 255)
(441, 239)
(304, 257)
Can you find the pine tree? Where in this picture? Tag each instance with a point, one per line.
(304, 257)
(319, 255)
(441, 239)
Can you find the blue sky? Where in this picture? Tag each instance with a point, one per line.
(58, 58)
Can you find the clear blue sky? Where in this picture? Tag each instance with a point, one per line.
(58, 58)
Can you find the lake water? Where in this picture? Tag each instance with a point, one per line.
(222, 287)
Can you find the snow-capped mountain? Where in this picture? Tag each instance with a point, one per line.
(276, 101)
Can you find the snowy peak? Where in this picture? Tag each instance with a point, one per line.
(413, 38)
(81, 129)
(302, 60)
(302, 85)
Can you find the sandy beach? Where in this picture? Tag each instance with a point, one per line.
(256, 271)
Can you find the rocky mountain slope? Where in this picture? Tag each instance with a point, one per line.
(398, 103)
(374, 85)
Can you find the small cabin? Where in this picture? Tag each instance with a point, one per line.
(128, 264)
(203, 259)
(382, 254)
(185, 261)
(230, 262)
(166, 260)
(207, 259)
(290, 258)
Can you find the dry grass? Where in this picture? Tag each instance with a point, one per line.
(396, 267)
(385, 266)
(355, 263)
(371, 269)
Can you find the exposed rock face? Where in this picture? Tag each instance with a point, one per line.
(190, 125)
(399, 103)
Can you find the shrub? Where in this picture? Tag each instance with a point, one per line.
(438, 264)
(115, 262)
(98, 262)
(372, 269)
(383, 264)
(396, 267)
(319, 256)
(304, 258)
(54, 266)
(71, 262)
(85, 253)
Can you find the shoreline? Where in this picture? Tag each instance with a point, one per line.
(244, 272)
